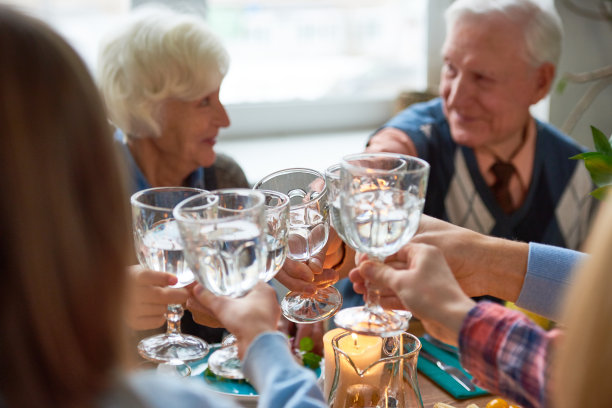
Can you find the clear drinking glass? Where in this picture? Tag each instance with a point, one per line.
(226, 247)
(381, 201)
(159, 247)
(224, 361)
(308, 233)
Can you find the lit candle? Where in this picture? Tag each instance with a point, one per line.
(363, 351)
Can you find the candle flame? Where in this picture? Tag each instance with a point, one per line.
(354, 336)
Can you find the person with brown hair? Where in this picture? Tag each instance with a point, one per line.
(68, 241)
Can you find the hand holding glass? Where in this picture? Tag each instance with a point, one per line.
(381, 201)
(159, 247)
(308, 233)
(226, 247)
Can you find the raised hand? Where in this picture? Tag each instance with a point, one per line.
(425, 285)
(245, 317)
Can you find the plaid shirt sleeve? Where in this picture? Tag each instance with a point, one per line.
(507, 353)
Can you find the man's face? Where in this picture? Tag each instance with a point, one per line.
(487, 85)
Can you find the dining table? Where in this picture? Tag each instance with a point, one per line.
(431, 393)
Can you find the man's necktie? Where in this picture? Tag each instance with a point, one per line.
(503, 171)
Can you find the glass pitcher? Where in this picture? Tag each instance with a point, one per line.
(372, 371)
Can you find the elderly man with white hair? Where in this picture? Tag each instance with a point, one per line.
(495, 169)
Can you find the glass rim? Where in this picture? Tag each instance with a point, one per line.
(180, 207)
(134, 198)
(284, 199)
(424, 165)
(314, 172)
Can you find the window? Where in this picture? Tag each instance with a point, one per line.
(296, 65)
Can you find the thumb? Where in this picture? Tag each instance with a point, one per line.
(377, 272)
(206, 298)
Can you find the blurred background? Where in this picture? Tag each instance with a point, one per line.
(309, 80)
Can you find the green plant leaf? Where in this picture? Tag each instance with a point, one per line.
(306, 344)
(586, 155)
(602, 145)
(600, 169)
(601, 192)
(312, 360)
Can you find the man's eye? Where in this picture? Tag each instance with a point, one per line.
(449, 70)
(204, 102)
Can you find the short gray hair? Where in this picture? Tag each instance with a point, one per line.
(158, 54)
(542, 27)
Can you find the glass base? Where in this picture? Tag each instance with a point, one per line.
(376, 322)
(310, 309)
(165, 348)
(225, 363)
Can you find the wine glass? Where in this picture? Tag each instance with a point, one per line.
(308, 233)
(159, 247)
(381, 201)
(225, 362)
(226, 247)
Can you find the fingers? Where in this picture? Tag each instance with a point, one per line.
(326, 278)
(201, 314)
(296, 276)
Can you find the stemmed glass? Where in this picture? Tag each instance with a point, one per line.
(224, 362)
(308, 233)
(159, 247)
(226, 247)
(381, 201)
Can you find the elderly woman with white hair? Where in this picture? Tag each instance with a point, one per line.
(160, 76)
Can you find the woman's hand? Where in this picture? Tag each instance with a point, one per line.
(245, 317)
(149, 296)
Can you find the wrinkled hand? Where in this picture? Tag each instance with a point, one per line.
(149, 296)
(244, 317)
(422, 283)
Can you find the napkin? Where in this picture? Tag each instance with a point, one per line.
(441, 378)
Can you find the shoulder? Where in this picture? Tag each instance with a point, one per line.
(155, 390)
(557, 140)
(228, 173)
(419, 114)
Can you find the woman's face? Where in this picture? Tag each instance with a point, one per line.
(189, 129)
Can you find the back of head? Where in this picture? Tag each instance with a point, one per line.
(64, 224)
(541, 24)
(157, 54)
(583, 361)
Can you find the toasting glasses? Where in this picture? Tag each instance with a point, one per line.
(159, 247)
(224, 362)
(381, 201)
(308, 233)
(226, 247)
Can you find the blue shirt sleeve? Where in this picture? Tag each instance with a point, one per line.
(549, 274)
(276, 375)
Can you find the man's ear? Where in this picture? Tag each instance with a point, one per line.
(545, 75)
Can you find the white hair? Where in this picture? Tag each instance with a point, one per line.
(541, 24)
(158, 54)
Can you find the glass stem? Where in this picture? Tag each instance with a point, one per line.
(173, 319)
(372, 303)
